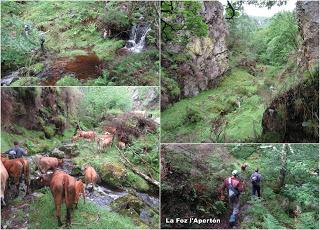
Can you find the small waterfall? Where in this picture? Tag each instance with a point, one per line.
(138, 34)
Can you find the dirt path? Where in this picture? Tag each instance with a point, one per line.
(15, 215)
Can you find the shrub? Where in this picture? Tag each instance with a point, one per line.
(192, 115)
(68, 80)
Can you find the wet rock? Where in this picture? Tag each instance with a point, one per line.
(35, 183)
(113, 174)
(127, 202)
(7, 80)
(149, 99)
(57, 153)
(132, 206)
(37, 194)
(70, 149)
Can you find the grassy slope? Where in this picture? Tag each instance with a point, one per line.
(71, 29)
(243, 124)
(211, 104)
(67, 27)
(87, 216)
(35, 141)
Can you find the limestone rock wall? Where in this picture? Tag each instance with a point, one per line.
(209, 54)
(209, 58)
(308, 21)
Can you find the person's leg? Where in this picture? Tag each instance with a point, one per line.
(236, 206)
(258, 191)
(254, 190)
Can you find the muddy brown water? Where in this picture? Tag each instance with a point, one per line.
(83, 67)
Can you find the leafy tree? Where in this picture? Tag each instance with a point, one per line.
(282, 36)
(180, 20)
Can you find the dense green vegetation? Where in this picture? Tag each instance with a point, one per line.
(76, 29)
(189, 21)
(263, 54)
(193, 175)
(29, 117)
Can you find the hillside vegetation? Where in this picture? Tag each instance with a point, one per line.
(44, 120)
(83, 43)
(193, 175)
(265, 96)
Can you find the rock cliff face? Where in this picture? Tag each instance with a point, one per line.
(147, 99)
(308, 21)
(208, 58)
(292, 117)
(40, 109)
(209, 54)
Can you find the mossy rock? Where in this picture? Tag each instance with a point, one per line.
(37, 68)
(132, 206)
(113, 174)
(57, 153)
(129, 205)
(70, 149)
(136, 182)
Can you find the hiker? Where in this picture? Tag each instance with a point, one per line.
(234, 188)
(26, 29)
(42, 40)
(16, 151)
(255, 181)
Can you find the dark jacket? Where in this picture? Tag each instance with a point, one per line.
(19, 152)
(258, 177)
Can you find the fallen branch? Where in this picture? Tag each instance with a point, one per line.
(126, 162)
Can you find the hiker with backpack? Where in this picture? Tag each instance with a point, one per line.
(256, 178)
(234, 187)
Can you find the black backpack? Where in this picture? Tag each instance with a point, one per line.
(254, 180)
(232, 192)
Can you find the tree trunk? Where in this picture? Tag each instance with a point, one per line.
(282, 173)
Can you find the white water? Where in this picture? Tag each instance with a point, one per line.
(137, 40)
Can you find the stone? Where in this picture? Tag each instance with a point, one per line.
(308, 22)
(70, 149)
(209, 57)
(131, 206)
(57, 153)
(113, 174)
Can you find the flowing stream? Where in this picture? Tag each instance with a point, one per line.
(101, 195)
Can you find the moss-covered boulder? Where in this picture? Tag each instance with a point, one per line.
(57, 153)
(131, 206)
(135, 208)
(136, 182)
(113, 174)
(70, 149)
